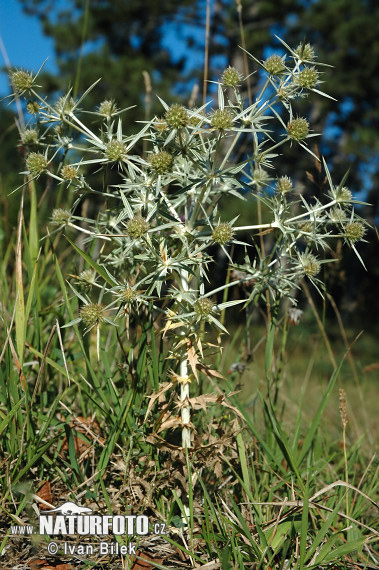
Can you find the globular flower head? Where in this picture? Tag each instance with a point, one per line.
(160, 125)
(285, 92)
(87, 276)
(137, 227)
(203, 307)
(307, 78)
(107, 108)
(33, 107)
(222, 119)
(306, 227)
(354, 231)
(21, 81)
(231, 77)
(294, 316)
(261, 176)
(337, 215)
(274, 64)
(284, 185)
(129, 295)
(29, 136)
(161, 162)
(305, 52)
(36, 163)
(310, 264)
(87, 279)
(60, 216)
(59, 129)
(343, 194)
(177, 116)
(298, 129)
(92, 314)
(115, 150)
(222, 233)
(69, 172)
(65, 105)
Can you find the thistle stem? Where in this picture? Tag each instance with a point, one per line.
(256, 227)
(184, 386)
(88, 232)
(314, 211)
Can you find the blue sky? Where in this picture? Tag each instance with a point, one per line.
(23, 40)
(27, 47)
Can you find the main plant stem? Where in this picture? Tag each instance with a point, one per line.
(184, 385)
(186, 414)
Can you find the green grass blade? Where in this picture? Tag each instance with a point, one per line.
(92, 263)
(10, 415)
(316, 420)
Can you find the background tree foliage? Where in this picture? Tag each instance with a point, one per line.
(125, 37)
(122, 38)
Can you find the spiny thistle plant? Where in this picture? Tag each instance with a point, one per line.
(160, 219)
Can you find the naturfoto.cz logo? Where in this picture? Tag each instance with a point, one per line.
(73, 520)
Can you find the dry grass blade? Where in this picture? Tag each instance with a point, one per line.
(20, 304)
(341, 483)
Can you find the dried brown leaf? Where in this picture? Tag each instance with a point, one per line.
(226, 404)
(193, 359)
(209, 371)
(172, 422)
(200, 402)
(39, 564)
(45, 494)
(81, 446)
(157, 395)
(217, 468)
(143, 561)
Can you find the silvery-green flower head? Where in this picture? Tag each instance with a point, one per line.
(177, 116)
(284, 185)
(274, 64)
(33, 107)
(128, 295)
(65, 105)
(306, 227)
(203, 307)
(222, 119)
(305, 52)
(92, 314)
(231, 77)
(107, 108)
(36, 163)
(21, 81)
(161, 162)
(307, 78)
(310, 264)
(343, 194)
(60, 217)
(137, 227)
(160, 125)
(69, 172)
(354, 231)
(222, 233)
(298, 129)
(29, 136)
(115, 150)
(87, 278)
